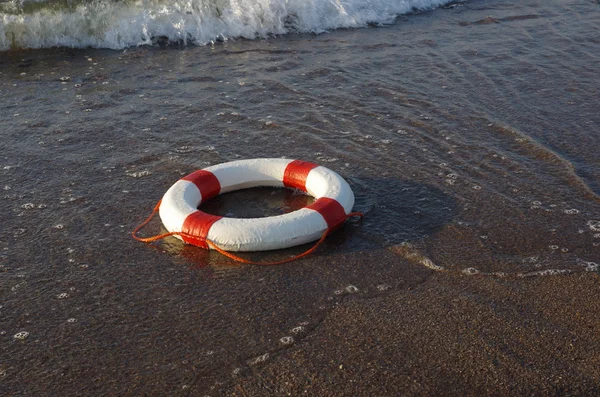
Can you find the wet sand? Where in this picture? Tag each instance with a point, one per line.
(469, 135)
(448, 335)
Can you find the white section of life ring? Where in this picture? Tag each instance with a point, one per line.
(258, 234)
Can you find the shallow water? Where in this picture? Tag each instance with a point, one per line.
(469, 136)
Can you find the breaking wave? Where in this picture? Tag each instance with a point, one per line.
(119, 24)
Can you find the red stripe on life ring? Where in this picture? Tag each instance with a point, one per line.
(330, 210)
(206, 182)
(198, 224)
(296, 173)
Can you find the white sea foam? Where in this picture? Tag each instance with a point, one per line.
(117, 25)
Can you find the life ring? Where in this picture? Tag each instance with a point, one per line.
(333, 203)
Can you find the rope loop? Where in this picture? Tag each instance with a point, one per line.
(221, 250)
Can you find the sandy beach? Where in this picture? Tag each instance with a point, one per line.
(469, 135)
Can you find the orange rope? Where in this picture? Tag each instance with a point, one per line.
(221, 250)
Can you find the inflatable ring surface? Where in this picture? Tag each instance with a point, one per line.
(333, 202)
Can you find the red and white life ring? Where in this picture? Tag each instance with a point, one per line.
(333, 202)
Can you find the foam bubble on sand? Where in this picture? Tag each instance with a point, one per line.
(286, 340)
(19, 232)
(594, 225)
(546, 272)
(22, 335)
(18, 285)
(138, 174)
(589, 266)
(260, 359)
(428, 263)
(409, 252)
(470, 271)
(184, 149)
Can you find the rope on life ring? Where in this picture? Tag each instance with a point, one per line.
(179, 212)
